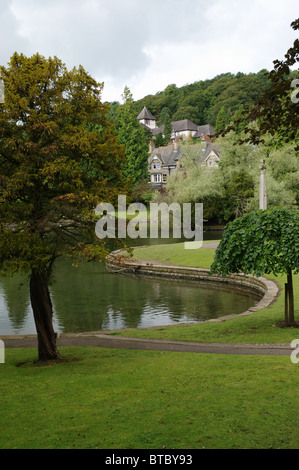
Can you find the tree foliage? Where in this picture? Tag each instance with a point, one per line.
(59, 158)
(202, 101)
(261, 242)
(232, 189)
(275, 112)
(132, 136)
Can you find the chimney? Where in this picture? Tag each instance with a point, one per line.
(151, 146)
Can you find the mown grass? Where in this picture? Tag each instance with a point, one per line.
(120, 399)
(124, 399)
(259, 327)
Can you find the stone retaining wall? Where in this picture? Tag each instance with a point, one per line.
(266, 288)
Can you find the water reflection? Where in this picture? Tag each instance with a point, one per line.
(88, 298)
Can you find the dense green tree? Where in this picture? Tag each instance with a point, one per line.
(196, 99)
(240, 190)
(186, 112)
(159, 140)
(164, 116)
(282, 169)
(276, 111)
(232, 189)
(112, 111)
(201, 101)
(132, 137)
(171, 96)
(167, 132)
(59, 158)
(223, 119)
(262, 242)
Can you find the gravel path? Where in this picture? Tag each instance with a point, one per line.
(112, 341)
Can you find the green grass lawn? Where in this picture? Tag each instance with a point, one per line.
(259, 327)
(120, 399)
(125, 399)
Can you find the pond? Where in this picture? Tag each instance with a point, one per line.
(88, 298)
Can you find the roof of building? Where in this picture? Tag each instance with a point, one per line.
(167, 155)
(209, 148)
(170, 154)
(184, 125)
(157, 130)
(206, 129)
(146, 114)
(177, 126)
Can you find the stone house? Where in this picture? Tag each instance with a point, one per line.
(180, 129)
(146, 119)
(163, 161)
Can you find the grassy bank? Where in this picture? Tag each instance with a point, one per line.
(259, 327)
(117, 399)
(125, 399)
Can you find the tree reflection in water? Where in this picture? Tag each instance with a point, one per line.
(88, 298)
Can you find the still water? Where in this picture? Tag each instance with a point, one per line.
(88, 298)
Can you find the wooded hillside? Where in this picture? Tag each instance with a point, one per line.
(213, 101)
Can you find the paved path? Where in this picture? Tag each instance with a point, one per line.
(111, 341)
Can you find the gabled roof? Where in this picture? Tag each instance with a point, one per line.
(184, 125)
(209, 148)
(207, 130)
(146, 114)
(157, 130)
(167, 155)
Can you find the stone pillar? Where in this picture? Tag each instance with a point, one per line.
(263, 193)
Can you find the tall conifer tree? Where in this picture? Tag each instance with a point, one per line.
(131, 135)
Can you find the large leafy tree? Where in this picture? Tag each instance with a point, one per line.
(275, 112)
(164, 119)
(132, 136)
(59, 158)
(262, 242)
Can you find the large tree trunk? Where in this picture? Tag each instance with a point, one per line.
(286, 304)
(291, 298)
(43, 313)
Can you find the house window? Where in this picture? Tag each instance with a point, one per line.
(164, 178)
(156, 178)
(156, 166)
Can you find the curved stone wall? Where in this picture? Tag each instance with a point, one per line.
(266, 288)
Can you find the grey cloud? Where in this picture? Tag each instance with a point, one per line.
(113, 39)
(107, 38)
(10, 38)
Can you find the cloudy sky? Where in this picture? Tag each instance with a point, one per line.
(148, 45)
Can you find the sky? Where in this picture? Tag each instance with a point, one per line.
(147, 45)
